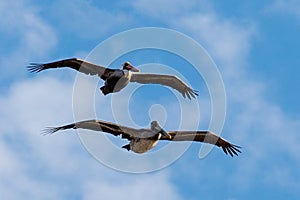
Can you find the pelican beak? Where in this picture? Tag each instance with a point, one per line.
(165, 133)
(132, 68)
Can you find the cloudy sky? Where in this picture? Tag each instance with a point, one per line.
(255, 46)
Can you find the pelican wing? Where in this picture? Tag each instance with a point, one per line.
(97, 125)
(167, 80)
(74, 63)
(206, 137)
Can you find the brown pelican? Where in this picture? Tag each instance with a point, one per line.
(117, 79)
(142, 140)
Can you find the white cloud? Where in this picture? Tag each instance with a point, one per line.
(28, 35)
(290, 7)
(227, 42)
(32, 165)
(85, 20)
(26, 109)
(145, 187)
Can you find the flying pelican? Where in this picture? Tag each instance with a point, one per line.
(117, 79)
(142, 140)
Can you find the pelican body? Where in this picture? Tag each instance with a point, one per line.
(143, 140)
(117, 79)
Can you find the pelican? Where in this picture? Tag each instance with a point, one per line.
(142, 140)
(117, 79)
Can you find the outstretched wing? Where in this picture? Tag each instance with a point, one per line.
(206, 137)
(167, 80)
(97, 125)
(74, 63)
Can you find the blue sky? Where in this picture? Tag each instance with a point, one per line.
(255, 46)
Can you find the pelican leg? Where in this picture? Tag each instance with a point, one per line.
(104, 90)
(127, 146)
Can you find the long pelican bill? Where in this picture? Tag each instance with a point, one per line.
(132, 68)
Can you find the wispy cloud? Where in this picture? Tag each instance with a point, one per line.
(145, 187)
(226, 41)
(58, 162)
(29, 36)
(85, 20)
(289, 7)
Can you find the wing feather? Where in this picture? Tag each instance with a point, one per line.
(206, 137)
(74, 63)
(96, 125)
(167, 80)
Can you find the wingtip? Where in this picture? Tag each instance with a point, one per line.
(49, 130)
(195, 92)
(190, 94)
(237, 148)
(234, 150)
(35, 67)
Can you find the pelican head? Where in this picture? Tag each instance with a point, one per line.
(129, 67)
(155, 127)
